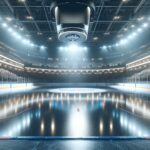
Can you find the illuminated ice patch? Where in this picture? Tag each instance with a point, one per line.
(77, 90)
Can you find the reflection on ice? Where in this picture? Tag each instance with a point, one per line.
(75, 114)
(133, 126)
(78, 122)
(42, 127)
(53, 127)
(101, 127)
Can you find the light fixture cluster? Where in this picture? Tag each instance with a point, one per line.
(73, 47)
(17, 35)
(131, 36)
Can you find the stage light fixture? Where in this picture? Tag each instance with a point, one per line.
(72, 19)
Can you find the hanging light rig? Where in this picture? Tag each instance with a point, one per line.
(72, 19)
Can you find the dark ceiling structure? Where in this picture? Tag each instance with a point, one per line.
(111, 21)
(110, 17)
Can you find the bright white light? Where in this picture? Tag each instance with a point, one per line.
(116, 17)
(101, 126)
(73, 47)
(145, 25)
(25, 41)
(10, 29)
(42, 47)
(133, 26)
(14, 33)
(21, 0)
(104, 47)
(86, 28)
(134, 34)
(50, 38)
(130, 37)
(42, 126)
(125, 0)
(9, 18)
(77, 90)
(140, 18)
(139, 29)
(32, 45)
(61, 48)
(85, 48)
(18, 36)
(65, 48)
(117, 44)
(78, 123)
(52, 127)
(123, 41)
(111, 126)
(4, 25)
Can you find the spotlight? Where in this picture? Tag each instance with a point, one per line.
(73, 47)
(125, 29)
(139, 29)
(26, 41)
(50, 38)
(140, 18)
(9, 19)
(29, 17)
(132, 26)
(129, 37)
(116, 44)
(145, 25)
(85, 48)
(125, 0)
(18, 36)
(14, 33)
(42, 47)
(22, 1)
(61, 48)
(116, 17)
(4, 25)
(10, 29)
(104, 47)
(32, 45)
(95, 38)
(65, 48)
(134, 34)
(123, 41)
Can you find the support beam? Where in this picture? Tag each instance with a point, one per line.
(116, 13)
(28, 10)
(9, 6)
(100, 11)
(139, 6)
